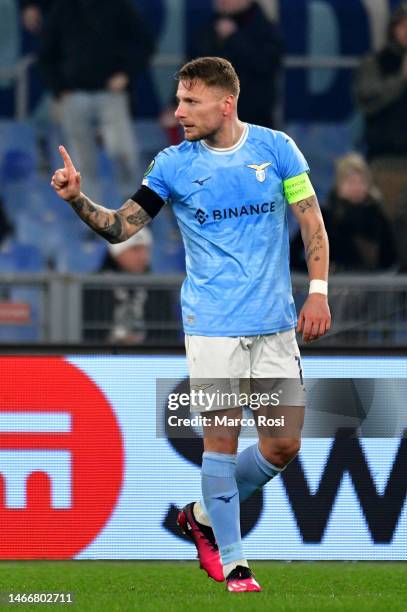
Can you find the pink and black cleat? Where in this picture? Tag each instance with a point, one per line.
(241, 580)
(204, 540)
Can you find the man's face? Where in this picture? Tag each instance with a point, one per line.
(400, 32)
(230, 7)
(135, 259)
(200, 109)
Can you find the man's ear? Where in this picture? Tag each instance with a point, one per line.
(229, 105)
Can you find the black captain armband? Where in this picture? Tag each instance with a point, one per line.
(149, 200)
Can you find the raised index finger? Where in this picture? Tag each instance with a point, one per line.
(67, 160)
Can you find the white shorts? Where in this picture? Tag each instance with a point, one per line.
(243, 364)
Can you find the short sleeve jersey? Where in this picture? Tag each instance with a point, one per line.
(232, 213)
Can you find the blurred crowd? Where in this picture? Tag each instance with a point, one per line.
(90, 54)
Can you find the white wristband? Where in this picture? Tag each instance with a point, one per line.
(318, 286)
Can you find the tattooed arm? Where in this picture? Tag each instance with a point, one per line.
(315, 239)
(314, 319)
(113, 225)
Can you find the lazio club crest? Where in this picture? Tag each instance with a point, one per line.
(260, 170)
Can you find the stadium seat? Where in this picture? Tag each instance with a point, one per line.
(17, 165)
(322, 144)
(20, 333)
(15, 258)
(30, 332)
(168, 254)
(17, 136)
(81, 257)
(45, 221)
(40, 198)
(41, 230)
(150, 138)
(34, 196)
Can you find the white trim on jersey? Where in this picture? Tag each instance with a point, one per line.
(231, 149)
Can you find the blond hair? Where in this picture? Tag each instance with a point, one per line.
(350, 164)
(356, 163)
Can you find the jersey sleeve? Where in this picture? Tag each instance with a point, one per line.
(291, 161)
(293, 171)
(156, 177)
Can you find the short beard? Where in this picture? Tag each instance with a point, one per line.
(207, 136)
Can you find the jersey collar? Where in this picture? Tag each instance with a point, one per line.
(228, 150)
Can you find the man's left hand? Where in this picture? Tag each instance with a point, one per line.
(315, 318)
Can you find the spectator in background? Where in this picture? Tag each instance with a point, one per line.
(43, 109)
(89, 52)
(360, 236)
(129, 314)
(122, 310)
(33, 13)
(381, 94)
(241, 33)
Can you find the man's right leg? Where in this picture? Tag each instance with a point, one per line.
(216, 366)
(221, 497)
(214, 522)
(219, 489)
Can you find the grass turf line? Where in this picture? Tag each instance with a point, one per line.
(119, 586)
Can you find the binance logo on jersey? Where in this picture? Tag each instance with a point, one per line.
(241, 211)
(219, 214)
(201, 216)
(260, 170)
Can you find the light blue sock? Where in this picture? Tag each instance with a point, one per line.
(221, 499)
(253, 471)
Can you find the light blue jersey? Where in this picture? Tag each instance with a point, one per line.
(232, 214)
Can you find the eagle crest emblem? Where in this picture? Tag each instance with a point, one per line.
(260, 170)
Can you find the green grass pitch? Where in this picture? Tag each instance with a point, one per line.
(110, 586)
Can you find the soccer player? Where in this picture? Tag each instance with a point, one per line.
(230, 185)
